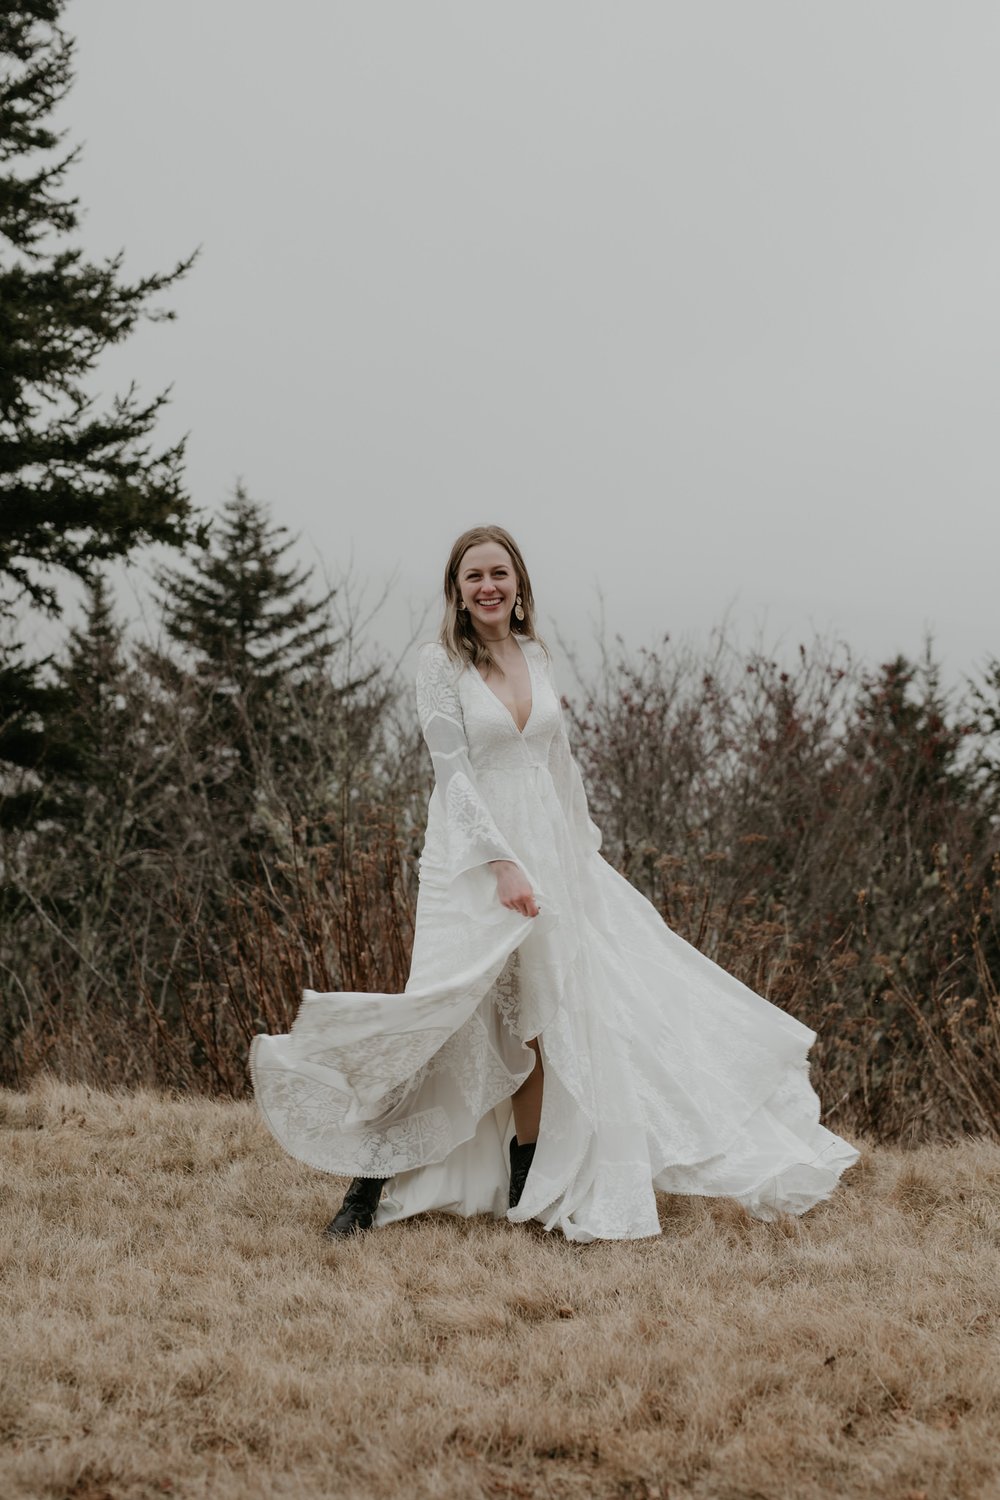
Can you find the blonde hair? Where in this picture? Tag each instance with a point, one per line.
(458, 634)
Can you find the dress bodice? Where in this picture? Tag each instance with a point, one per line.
(496, 788)
(494, 740)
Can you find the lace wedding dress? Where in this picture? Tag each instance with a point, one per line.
(662, 1071)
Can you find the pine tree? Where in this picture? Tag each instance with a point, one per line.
(68, 731)
(93, 677)
(90, 805)
(261, 716)
(908, 743)
(984, 697)
(243, 615)
(71, 733)
(78, 486)
(28, 751)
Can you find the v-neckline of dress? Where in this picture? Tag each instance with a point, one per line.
(531, 683)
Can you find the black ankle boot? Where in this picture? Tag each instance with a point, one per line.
(357, 1212)
(520, 1165)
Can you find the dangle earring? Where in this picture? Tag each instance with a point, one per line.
(518, 608)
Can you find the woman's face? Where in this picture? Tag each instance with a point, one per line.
(487, 583)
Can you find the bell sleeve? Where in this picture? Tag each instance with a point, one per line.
(569, 787)
(462, 836)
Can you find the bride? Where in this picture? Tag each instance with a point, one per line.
(559, 1053)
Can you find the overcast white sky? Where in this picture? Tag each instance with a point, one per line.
(701, 300)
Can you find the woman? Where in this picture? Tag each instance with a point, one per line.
(548, 1007)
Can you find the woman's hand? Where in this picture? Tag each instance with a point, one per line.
(513, 888)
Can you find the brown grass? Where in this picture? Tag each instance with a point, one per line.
(175, 1324)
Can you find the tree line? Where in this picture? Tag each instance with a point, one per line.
(234, 811)
(136, 782)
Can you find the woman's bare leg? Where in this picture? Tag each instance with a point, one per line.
(527, 1102)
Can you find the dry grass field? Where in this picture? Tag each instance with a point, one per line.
(174, 1324)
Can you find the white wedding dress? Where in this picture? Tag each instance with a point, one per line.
(662, 1071)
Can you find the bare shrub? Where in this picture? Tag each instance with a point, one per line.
(825, 833)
